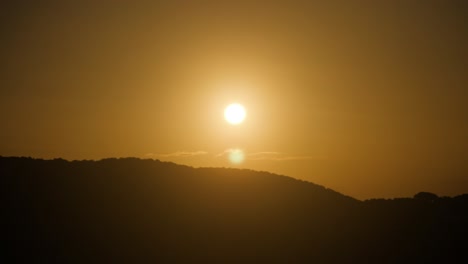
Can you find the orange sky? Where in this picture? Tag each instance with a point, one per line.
(365, 97)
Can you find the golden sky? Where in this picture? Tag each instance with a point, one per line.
(369, 98)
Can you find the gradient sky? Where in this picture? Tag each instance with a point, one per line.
(369, 98)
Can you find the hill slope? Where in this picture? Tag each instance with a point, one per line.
(131, 210)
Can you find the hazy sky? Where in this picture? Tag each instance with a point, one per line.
(369, 98)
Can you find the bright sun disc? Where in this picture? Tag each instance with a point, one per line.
(234, 114)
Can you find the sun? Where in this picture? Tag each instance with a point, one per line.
(234, 114)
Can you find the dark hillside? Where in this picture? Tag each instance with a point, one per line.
(132, 210)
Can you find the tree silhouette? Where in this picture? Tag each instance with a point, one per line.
(426, 196)
(132, 210)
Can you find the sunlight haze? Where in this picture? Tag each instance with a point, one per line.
(368, 98)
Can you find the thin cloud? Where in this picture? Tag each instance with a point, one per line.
(226, 152)
(178, 154)
(278, 156)
(264, 153)
(271, 155)
(297, 158)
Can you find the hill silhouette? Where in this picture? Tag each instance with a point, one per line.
(132, 211)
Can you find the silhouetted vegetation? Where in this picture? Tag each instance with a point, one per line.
(132, 211)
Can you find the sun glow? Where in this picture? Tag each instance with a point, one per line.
(234, 114)
(236, 156)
